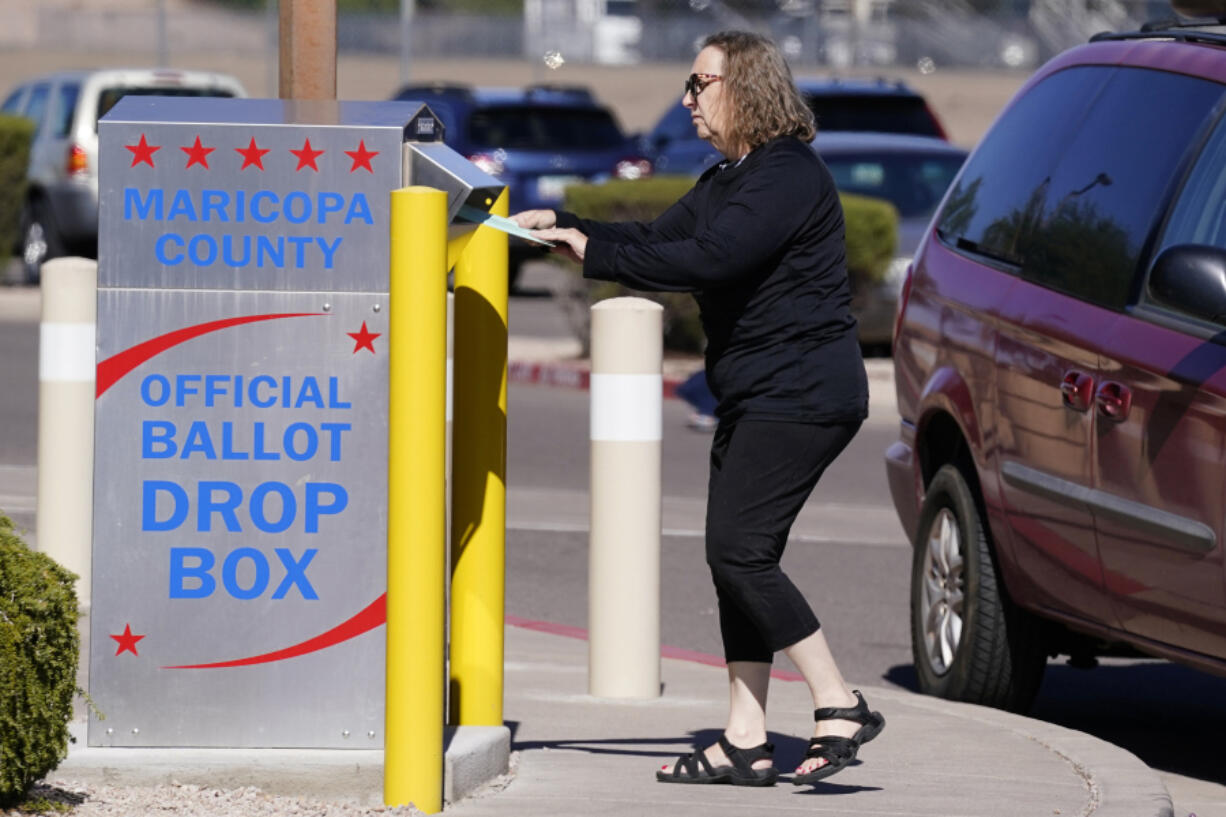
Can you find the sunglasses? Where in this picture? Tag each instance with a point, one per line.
(697, 83)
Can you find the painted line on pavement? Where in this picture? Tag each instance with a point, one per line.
(694, 533)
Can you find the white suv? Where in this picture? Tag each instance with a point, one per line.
(60, 213)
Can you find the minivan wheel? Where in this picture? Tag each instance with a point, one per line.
(968, 640)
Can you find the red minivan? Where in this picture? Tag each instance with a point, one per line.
(1060, 364)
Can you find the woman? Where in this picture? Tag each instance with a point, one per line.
(759, 241)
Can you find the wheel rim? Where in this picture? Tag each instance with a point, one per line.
(35, 247)
(942, 596)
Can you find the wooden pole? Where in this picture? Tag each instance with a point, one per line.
(308, 49)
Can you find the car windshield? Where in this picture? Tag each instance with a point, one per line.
(109, 96)
(883, 114)
(543, 128)
(913, 182)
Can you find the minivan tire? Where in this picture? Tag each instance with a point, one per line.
(969, 642)
(37, 228)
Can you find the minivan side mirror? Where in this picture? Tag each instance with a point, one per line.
(1191, 278)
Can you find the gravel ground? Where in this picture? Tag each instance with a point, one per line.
(84, 800)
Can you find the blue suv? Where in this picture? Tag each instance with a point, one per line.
(537, 140)
(876, 105)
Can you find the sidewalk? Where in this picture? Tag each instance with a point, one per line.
(574, 754)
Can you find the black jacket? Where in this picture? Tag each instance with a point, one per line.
(761, 246)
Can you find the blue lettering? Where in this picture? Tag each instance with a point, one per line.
(329, 203)
(312, 441)
(229, 573)
(334, 438)
(146, 390)
(159, 249)
(182, 206)
(208, 506)
(240, 206)
(253, 393)
(300, 243)
(157, 440)
(182, 389)
(149, 500)
(198, 440)
(227, 251)
(214, 387)
(295, 574)
(309, 393)
(264, 248)
(289, 506)
(227, 442)
(315, 491)
(257, 443)
(132, 203)
(334, 399)
(359, 208)
(214, 201)
(304, 202)
(258, 214)
(329, 250)
(206, 258)
(180, 573)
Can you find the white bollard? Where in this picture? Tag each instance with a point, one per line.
(624, 563)
(66, 371)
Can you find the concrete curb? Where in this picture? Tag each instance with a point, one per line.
(1119, 783)
(473, 756)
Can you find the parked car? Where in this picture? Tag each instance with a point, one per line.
(1060, 366)
(60, 215)
(879, 105)
(910, 172)
(537, 140)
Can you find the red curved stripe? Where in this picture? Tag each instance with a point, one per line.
(120, 363)
(374, 615)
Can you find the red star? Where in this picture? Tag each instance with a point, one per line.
(252, 155)
(143, 152)
(364, 339)
(197, 154)
(306, 156)
(127, 641)
(361, 157)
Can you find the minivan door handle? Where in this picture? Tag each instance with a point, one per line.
(1076, 390)
(1114, 400)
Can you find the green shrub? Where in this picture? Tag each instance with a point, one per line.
(39, 647)
(872, 235)
(16, 133)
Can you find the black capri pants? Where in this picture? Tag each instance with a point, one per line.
(762, 471)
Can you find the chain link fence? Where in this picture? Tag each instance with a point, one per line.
(813, 33)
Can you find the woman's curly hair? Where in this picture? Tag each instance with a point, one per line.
(758, 88)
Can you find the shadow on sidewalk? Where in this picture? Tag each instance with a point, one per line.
(1166, 714)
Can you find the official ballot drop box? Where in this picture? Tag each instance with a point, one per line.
(240, 499)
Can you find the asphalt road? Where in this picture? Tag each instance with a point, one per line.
(849, 557)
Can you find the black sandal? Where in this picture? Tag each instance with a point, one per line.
(698, 769)
(837, 751)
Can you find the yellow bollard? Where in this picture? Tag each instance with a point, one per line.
(479, 467)
(416, 528)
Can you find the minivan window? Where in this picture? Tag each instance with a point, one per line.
(65, 106)
(36, 107)
(109, 96)
(1199, 214)
(531, 128)
(1076, 213)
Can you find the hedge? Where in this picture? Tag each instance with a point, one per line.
(39, 647)
(872, 235)
(16, 133)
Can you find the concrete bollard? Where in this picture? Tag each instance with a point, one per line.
(66, 369)
(624, 564)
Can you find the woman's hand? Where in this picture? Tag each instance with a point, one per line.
(569, 242)
(536, 219)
